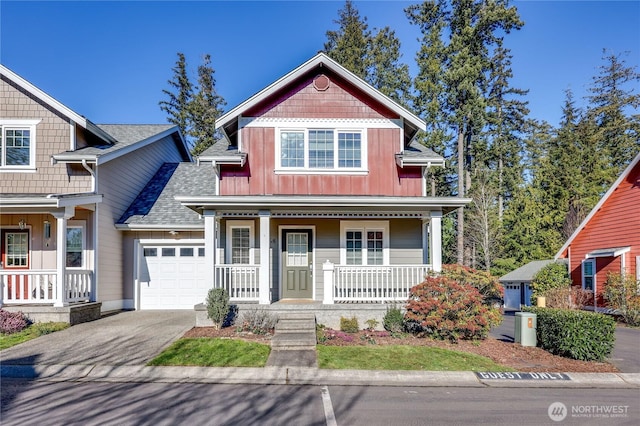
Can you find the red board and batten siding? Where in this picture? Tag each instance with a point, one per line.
(339, 101)
(616, 224)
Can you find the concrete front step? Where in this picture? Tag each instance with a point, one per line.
(295, 326)
(293, 341)
(297, 316)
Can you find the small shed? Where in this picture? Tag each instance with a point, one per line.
(517, 284)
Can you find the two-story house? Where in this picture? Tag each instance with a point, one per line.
(64, 182)
(316, 194)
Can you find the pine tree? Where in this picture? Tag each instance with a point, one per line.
(177, 104)
(349, 45)
(614, 109)
(205, 107)
(474, 28)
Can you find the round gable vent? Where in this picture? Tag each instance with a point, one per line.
(321, 82)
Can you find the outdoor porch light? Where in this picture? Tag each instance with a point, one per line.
(22, 224)
(47, 229)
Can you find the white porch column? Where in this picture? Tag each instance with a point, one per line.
(210, 247)
(436, 241)
(264, 298)
(328, 268)
(62, 216)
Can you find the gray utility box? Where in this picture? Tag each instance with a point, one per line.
(525, 332)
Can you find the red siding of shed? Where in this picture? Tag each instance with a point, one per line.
(615, 224)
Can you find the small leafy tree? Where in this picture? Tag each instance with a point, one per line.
(551, 277)
(443, 308)
(623, 294)
(393, 320)
(217, 306)
(488, 285)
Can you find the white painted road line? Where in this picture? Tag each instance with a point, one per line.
(328, 407)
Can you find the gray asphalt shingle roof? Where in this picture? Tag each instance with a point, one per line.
(222, 147)
(156, 204)
(417, 150)
(526, 272)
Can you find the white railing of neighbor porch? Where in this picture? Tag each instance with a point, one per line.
(39, 286)
(240, 281)
(346, 283)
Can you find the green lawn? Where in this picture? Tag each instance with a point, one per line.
(31, 332)
(401, 357)
(208, 352)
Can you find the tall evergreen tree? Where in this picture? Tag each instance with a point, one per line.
(205, 107)
(474, 28)
(614, 109)
(349, 45)
(179, 97)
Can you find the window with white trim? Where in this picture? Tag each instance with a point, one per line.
(240, 242)
(589, 274)
(75, 246)
(321, 150)
(17, 144)
(364, 242)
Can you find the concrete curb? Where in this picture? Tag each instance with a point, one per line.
(302, 376)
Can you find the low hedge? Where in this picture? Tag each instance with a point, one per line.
(580, 335)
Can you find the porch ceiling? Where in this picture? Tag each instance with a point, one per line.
(31, 203)
(325, 205)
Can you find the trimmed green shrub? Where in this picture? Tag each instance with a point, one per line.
(257, 321)
(621, 294)
(488, 286)
(552, 276)
(444, 308)
(13, 322)
(372, 324)
(581, 335)
(393, 320)
(349, 325)
(217, 306)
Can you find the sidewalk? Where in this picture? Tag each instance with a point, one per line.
(307, 376)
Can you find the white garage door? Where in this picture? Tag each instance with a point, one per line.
(172, 277)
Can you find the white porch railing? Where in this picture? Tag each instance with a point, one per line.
(240, 281)
(390, 283)
(39, 286)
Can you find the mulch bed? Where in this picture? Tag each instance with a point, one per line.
(520, 358)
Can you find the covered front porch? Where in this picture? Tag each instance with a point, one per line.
(322, 250)
(47, 255)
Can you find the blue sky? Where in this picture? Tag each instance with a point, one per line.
(109, 61)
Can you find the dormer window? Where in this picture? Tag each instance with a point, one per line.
(321, 150)
(17, 145)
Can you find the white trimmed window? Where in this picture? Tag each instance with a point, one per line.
(589, 274)
(364, 243)
(240, 242)
(76, 245)
(17, 145)
(321, 150)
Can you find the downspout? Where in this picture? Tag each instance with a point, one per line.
(92, 173)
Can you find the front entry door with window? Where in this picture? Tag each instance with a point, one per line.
(15, 257)
(297, 264)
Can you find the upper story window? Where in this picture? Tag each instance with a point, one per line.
(321, 150)
(17, 144)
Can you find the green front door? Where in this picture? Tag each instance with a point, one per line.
(297, 264)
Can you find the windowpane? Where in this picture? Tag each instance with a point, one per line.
(321, 149)
(374, 248)
(200, 251)
(349, 150)
(587, 274)
(168, 252)
(17, 247)
(186, 252)
(292, 149)
(354, 248)
(150, 252)
(297, 249)
(17, 143)
(75, 241)
(240, 246)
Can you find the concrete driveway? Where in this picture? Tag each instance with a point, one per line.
(126, 338)
(626, 350)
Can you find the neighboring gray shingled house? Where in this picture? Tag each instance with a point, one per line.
(517, 284)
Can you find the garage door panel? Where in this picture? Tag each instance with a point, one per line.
(174, 281)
